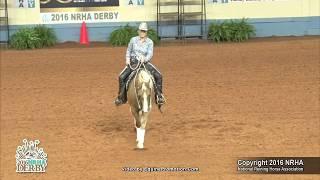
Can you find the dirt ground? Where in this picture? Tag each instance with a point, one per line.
(258, 98)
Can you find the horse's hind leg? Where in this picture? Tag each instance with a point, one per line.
(134, 119)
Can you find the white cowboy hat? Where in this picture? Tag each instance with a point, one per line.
(143, 26)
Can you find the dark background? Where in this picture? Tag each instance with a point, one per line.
(88, 3)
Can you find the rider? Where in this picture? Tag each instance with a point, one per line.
(140, 48)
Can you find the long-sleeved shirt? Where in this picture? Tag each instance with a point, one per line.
(136, 48)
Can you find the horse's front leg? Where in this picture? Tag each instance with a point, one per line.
(141, 127)
(136, 122)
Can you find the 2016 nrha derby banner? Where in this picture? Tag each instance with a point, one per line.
(77, 11)
(78, 17)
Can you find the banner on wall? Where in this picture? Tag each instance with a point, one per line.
(77, 3)
(77, 11)
(25, 3)
(79, 17)
(135, 2)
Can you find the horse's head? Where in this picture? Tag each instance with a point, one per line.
(144, 86)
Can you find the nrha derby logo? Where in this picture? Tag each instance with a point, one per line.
(30, 158)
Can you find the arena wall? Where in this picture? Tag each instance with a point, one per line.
(271, 18)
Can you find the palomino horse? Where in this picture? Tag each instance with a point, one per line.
(140, 96)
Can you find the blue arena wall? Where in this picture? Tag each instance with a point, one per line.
(265, 27)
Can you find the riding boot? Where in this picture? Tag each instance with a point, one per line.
(122, 97)
(160, 100)
(159, 96)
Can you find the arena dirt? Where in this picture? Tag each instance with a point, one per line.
(224, 101)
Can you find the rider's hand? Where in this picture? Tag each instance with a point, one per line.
(142, 59)
(127, 61)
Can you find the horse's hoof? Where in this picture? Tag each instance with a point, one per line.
(140, 146)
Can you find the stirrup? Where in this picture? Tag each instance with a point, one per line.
(160, 99)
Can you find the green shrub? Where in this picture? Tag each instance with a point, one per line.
(152, 34)
(25, 38)
(46, 35)
(35, 37)
(122, 36)
(231, 30)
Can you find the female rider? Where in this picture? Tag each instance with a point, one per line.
(140, 48)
